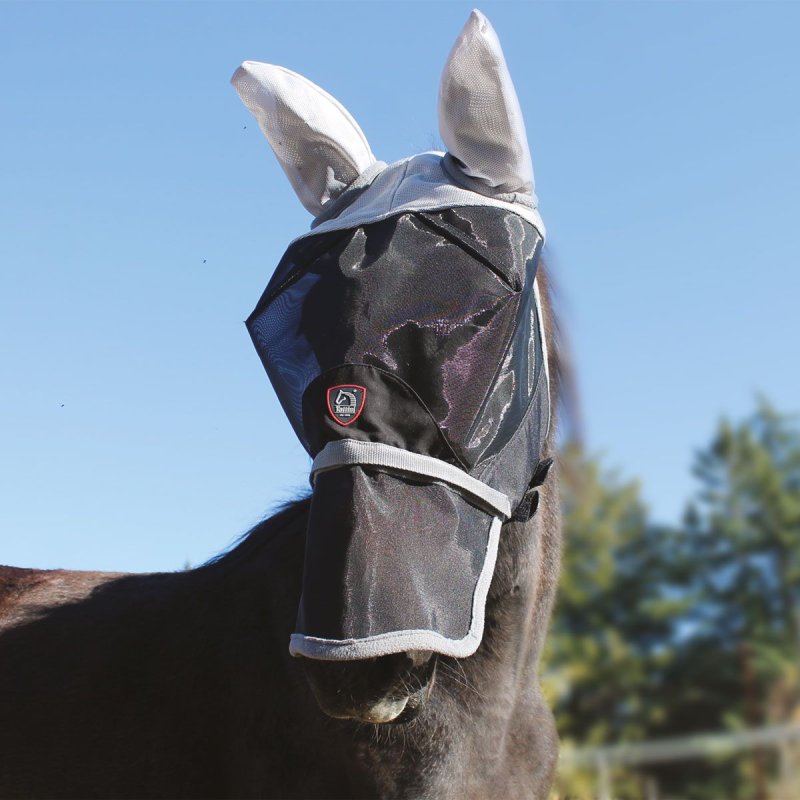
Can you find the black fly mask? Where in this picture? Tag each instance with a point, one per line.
(404, 339)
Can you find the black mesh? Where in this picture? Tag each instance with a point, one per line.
(441, 300)
(386, 553)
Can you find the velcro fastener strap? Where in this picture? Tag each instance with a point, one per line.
(351, 453)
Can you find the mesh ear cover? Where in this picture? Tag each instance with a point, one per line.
(319, 145)
(480, 119)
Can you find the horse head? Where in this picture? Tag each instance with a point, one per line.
(404, 338)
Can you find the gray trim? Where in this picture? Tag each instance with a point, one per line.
(335, 206)
(385, 644)
(418, 183)
(349, 452)
(543, 335)
(450, 165)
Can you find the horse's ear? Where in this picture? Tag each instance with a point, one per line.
(317, 142)
(480, 120)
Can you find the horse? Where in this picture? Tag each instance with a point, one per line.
(181, 684)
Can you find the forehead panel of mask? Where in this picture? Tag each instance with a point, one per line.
(441, 300)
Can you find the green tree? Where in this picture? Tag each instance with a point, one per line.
(746, 524)
(615, 617)
(661, 631)
(736, 665)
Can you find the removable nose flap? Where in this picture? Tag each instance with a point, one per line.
(392, 564)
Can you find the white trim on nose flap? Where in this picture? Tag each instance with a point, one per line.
(385, 644)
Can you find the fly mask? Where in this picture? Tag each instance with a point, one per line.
(404, 338)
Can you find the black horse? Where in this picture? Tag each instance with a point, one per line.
(182, 684)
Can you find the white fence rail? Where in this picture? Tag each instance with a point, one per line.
(710, 745)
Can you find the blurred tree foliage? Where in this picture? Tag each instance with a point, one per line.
(667, 631)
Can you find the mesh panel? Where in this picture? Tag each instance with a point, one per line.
(317, 142)
(435, 299)
(421, 183)
(398, 555)
(479, 114)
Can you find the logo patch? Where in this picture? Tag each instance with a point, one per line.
(346, 402)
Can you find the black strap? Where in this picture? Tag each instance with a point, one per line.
(530, 500)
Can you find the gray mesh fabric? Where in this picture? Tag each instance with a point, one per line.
(419, 183)
(319, 145)
(480, 119)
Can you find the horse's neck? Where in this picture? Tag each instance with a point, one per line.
(497, 716)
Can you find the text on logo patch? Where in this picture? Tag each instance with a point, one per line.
(346, 402)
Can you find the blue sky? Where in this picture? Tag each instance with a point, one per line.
(141, 214)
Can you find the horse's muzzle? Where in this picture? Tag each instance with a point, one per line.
(376, 690)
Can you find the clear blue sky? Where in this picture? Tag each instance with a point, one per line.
(141, 214)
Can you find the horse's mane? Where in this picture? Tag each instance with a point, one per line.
(563, 383)
(280, 523)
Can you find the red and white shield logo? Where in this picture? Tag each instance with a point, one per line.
(346, 402)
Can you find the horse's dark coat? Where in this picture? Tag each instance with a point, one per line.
(181, 685)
